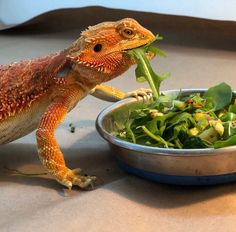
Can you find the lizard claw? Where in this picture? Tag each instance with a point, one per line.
(70, 177)
(84, 181)
(145, 94)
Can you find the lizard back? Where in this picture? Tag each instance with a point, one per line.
(23, 82)
(21, 86)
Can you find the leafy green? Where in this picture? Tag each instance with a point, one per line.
(232, 108)
(194, 142)
(175, 120)
(224, 143)
(144, 69)
(220, 95)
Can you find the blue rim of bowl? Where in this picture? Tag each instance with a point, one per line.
(175, 179)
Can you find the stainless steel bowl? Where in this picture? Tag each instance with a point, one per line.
(174, 166)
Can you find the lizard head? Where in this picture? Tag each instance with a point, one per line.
(101, 49)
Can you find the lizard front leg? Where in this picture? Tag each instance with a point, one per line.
(110, 93)
(49, 151)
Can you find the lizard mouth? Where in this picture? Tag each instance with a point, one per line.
(142, 45)
(113, 60)
(149, 54)
(102, 68)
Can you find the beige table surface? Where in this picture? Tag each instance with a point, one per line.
(200, 54)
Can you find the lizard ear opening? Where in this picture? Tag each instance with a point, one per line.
(97, 48)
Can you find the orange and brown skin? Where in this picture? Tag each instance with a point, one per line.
(38, 93)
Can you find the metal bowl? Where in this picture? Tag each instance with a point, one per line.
(173, 166)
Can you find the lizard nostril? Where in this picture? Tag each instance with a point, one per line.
(97, 48)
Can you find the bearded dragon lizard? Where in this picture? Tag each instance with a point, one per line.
(38, 93)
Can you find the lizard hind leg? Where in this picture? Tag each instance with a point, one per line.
(49, 151)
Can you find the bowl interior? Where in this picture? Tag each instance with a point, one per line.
(145, 160)
(113, 118)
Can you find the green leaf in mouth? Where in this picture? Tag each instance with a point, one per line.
(144, 71)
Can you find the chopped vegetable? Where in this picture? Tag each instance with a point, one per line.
(177, 121)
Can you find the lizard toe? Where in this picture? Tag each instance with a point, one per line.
(144, 94)
(84, 181)
(69, 178)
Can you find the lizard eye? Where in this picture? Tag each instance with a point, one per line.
(128, 33)
(97, 48)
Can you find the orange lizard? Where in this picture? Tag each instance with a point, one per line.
(38, 93)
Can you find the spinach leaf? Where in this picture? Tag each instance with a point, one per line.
(232, 108)
(224, 143)
(194, 142)
(220, 95)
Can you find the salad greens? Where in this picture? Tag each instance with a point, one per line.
(176, 120)
(144, 71)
